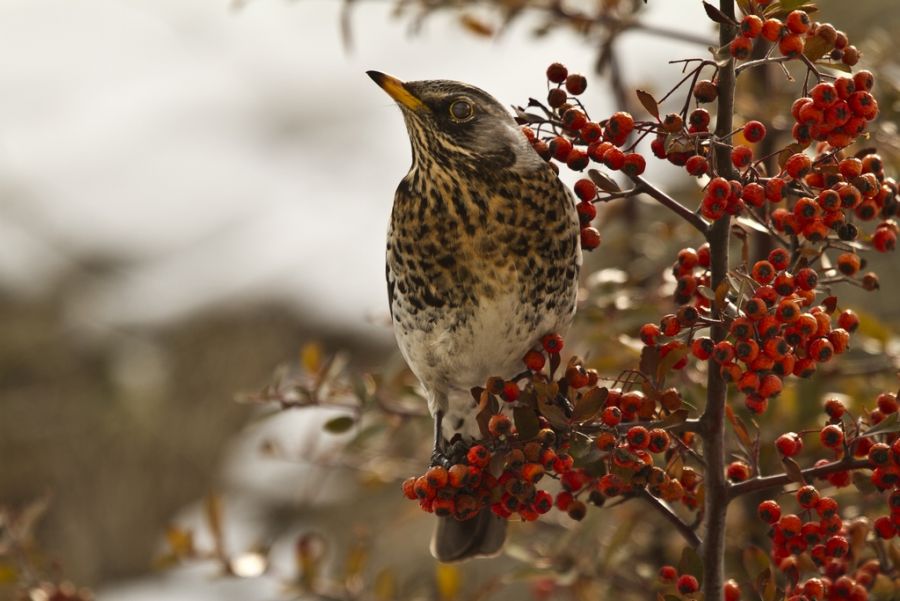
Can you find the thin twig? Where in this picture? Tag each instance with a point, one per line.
(671, 204)
(665, 511)
(779, 480)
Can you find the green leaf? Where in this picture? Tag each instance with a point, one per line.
(756, 561)
(765, 585)
(589, 404)
(890, 424)
(691, 564)
(339, 425)
(527, 423)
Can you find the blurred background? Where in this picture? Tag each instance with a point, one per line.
(191, 192)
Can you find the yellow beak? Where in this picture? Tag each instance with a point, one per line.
(396, 90)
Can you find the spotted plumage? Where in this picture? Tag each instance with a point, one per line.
(482, 254)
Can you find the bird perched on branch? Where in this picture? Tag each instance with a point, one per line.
(483, 257)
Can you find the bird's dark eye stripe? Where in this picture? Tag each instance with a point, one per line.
(461, 110)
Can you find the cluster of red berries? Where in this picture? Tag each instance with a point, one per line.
(829, 195)
(586, 191)
(687, 584)
(818, 531)
(776, 332)
(502, 471)
(795, 35)
(577, 140)
(463, 489)
(837, 112)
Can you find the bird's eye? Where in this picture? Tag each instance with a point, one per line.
(461, 110)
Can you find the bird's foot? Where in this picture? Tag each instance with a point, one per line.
(449, 454)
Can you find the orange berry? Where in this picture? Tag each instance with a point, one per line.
(797, 21)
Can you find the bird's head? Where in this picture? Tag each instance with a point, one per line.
(453, 121)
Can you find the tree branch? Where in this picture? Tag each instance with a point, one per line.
(665, 511)
(777, 481)
(670, 203)
(713, 418)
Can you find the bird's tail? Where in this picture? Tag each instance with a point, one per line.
(480, 536)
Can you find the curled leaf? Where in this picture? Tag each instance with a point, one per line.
(589, 404)
(648, 103)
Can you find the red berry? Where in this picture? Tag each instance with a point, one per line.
(741, 156)
(638, 437)
(702, 347)
(831, 436)
(560, 148)
(668, 573)
(769, 511)
(806, 278)
(790, 525)
(797, 21)
(754, 131)
(731, 590)
(586, 211)
(585, 189)
(798, 165)
(534, 360)
(633, 164)
(510, 392)
(823, 95)
(499, 425)
(687, 584)
(738, 471)
(789, 444)
(741, 47)
(552, 343)
(751, 26)
(620, 124)
(576, 84)
(699, 119)
(834, 408)
(573, 119)
(611, 416)
(884, 240)
(807, 496)
(697, 165)
(772, 30)
(590, 238)
(408, 488)
(791, 45)
(706, 91)
(649, 333)
(884, 527)
(557, 73)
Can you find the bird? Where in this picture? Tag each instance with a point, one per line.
(482, 260)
